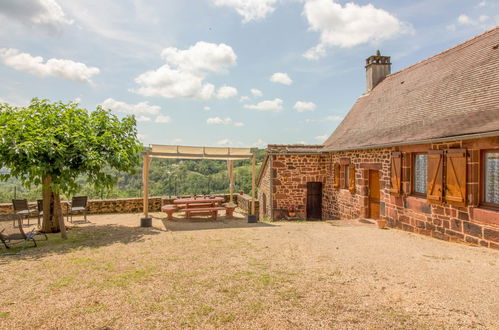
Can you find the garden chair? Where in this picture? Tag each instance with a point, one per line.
(22, 208)
(78, 204)
(39, 204)
(11, 236)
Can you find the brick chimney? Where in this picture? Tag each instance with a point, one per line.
(377, 68)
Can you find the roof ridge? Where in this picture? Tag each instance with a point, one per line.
(463, 44)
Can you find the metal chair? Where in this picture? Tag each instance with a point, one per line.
(11, 236)
(39, 204)
(22, 208)
(78, 204)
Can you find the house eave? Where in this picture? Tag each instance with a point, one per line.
(434, 140)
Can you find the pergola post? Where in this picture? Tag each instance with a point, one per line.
(253, 185)
(145, 177)
(230, 166)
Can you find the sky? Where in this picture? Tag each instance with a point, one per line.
(241, 73)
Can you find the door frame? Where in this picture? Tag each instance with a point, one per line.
(369, 194)
(306, 203)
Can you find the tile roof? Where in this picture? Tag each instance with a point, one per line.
(294, 148)
(453, 93)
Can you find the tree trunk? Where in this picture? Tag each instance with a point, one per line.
(53, 220)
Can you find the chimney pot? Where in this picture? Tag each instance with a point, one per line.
(377, 68)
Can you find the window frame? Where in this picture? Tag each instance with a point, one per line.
(413, 174)
(346, 177)
(481, 183)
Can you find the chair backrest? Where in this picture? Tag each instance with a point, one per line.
(20, 204)
(39, 204)
(79, 201)
(7, 226)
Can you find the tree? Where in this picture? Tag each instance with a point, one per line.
(54, 144)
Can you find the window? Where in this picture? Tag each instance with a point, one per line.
(420, 174)
(346, 175)
(491, 178)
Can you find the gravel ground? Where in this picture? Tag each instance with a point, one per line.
(229, 274)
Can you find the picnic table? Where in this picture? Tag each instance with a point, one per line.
(195, 205)
(202, 201)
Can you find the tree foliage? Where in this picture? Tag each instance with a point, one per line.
(60, 143)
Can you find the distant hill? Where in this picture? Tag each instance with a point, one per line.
(167, 177)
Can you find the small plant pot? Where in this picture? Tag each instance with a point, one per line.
(292, 214)
(381, 223)
(241, 193)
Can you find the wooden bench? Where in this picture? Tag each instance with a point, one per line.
(213, 211)
(169, 209)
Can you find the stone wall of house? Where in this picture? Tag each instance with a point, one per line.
(470, 223)
(340, 203)
(290, 176)
(264, 193)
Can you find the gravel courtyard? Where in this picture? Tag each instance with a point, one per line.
(110, 274)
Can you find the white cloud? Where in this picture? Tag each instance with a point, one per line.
(321, 137)
(302, 106)
(218, 121)
(54, 67)
(45, 14)
(133, 109)
(224, 142)
(349, 26)
(259, 144)
(226, 92)
(267, 105)
(206, 108)
(482, 4)
(142, 118)
(256, 92)
(249, 9)
(239, 124)
(141, 137)
(183, 76)
(281, 78)
(464, 19)
(176, 141)
(483, 21)
(334, 118)
(163, 119)
(244, 99)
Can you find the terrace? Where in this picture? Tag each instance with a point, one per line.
(228, 273)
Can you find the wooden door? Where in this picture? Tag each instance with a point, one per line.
(314, 200)
(374, 194)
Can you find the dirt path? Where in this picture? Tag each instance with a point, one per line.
(230, 274)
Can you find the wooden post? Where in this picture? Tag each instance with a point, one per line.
(253, 185)
(230, 166)
(145, 178)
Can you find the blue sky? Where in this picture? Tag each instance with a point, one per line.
(221, 72)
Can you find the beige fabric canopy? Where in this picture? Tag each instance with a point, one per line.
(186, 152)
(192, 152)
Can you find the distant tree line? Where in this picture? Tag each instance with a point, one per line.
(167, 177)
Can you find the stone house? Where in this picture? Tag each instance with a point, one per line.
(419, 149)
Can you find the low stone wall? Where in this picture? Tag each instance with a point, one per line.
(133, 205)
(244, 203)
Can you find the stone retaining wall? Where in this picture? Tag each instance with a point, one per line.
(134, 205)
(244, 203)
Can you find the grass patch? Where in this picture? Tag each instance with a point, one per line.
(4, 314)
(62, 282)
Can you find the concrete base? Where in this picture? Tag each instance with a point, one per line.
(146, 222)
(252, 218)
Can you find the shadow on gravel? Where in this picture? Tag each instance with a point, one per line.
(92, 236)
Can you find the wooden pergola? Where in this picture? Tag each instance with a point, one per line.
(189, 152)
